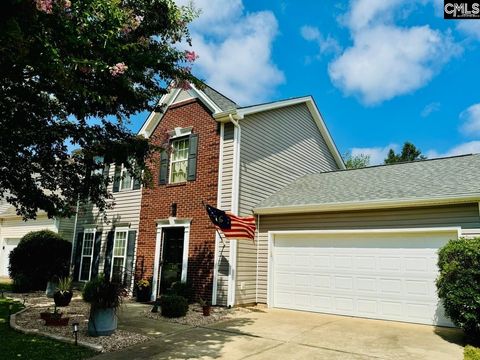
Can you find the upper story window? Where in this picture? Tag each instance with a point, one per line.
(179, 160)
(126, 182)
(180, 164)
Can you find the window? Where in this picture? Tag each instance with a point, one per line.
(119, 253)
(126, 182)
(179, 161)
(87, 255)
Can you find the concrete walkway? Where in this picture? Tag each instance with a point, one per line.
(283, 334)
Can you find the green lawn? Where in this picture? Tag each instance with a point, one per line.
(471, 353)
(15, 345)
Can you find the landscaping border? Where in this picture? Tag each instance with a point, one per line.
(13, 325)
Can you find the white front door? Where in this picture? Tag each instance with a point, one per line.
(375, 275)
(7, 246)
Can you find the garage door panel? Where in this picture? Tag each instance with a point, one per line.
(358, 277)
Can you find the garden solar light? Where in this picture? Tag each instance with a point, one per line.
(75, 331)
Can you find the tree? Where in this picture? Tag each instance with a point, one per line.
(71, 74)
(356, 161)
(409, 153)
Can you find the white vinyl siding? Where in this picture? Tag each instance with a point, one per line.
(225, 204)
(276, 148)
(125, 211)
(179, 161)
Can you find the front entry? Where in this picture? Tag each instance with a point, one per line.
(172, 257)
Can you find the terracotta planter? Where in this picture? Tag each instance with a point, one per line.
(56, 321)
(62, 298)
(206, 310)
(45, 315)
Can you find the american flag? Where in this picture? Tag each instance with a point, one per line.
(232, 226)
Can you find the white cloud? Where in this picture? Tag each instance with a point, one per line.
(430, 108)
(235, 50)
(386, 60)
(470, 28)
(471, 147)
(471, 118)
(326, 44)
(377, 154)
(365, 13)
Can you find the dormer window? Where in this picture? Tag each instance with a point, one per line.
(179, 160)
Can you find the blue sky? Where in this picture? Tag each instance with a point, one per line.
(381, 72)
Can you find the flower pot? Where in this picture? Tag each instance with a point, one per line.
(51, 288)
(143, 294)
(102, 322)
(45, 315)
(56, 321)
(62, 298)
(206, 310)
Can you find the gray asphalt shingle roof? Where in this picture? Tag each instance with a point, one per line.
(437, 178)
(222, 101)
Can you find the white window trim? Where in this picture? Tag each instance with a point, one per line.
(124, 256)
(169, 223)
(123, 170)
(170, 167)
(87, 231)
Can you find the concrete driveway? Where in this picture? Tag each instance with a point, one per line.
(284, 334)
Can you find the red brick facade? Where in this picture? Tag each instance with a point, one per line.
(156, 201)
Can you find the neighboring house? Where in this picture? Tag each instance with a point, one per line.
(106, 245)
(364, 242)
(229, 157)
(13, 228)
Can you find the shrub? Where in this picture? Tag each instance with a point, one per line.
(102, 294)
(21, 284)
(39, 256)
(458, 284)
(184, 290)
(471, 353)
(173, 306)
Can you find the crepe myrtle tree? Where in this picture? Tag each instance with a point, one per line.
(72, 72)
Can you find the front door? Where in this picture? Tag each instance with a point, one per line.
(172, 257)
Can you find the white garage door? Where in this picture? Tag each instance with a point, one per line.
(7, 246)
(375, 275)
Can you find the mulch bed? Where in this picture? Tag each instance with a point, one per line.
(196, 318)
(77, 311)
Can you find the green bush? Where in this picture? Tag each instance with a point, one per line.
(182, 289)
(471, 353)
(102, 294)
(173, 306)
(21, 284)
(39, 256)
(458, 284)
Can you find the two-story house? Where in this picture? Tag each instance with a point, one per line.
(231, 158)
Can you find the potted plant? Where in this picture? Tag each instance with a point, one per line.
(56, 319)
(205, 307)
(63, 294)
(144, 290)
(51, 286)
(104, 297)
